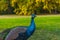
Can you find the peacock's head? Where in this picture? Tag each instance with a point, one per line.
(33, 15)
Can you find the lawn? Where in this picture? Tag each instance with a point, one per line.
(47, 27)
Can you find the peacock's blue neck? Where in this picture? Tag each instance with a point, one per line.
(31, 28)
(32, 25)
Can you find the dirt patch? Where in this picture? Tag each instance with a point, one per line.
(18, 16)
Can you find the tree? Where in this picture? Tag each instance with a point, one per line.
(3, 6)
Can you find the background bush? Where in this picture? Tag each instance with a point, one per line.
(27, 7)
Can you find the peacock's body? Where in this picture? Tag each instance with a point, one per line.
(21, 32)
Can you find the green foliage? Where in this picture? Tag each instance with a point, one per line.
(3, 5)
(27, 7)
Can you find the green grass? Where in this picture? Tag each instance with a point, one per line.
(47, 28)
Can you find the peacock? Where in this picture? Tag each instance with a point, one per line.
(22, 32)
